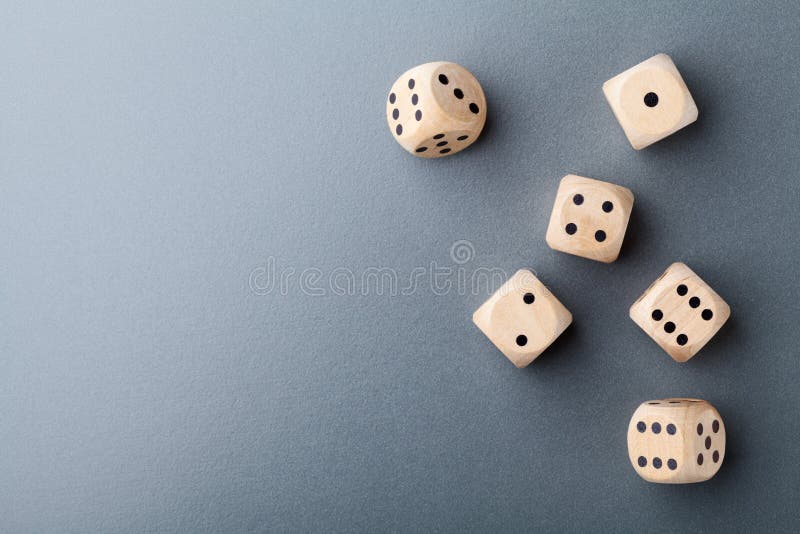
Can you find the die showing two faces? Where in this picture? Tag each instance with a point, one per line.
(676, 441)
(589, 218)
(680, 312)
(436, 109)
(650, 101)
(522, 318)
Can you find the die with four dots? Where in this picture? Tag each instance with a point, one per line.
(676, 441)
(436, 109)
(650, 101)
(589, 218)
(522, 318)
(680, 312)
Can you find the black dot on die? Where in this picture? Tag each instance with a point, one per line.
(656, 428)
(700, 459)
(444, 151)
(578, 199)
(657, 315)
(473, 107)
(441, 143)
(694, 302)
(418, 114)
(414, 99)
(707, 314)
(654, 402)
(715, 426)
(462, 137)
(708, 442)
(411, 83)
(651, 100)
(682, 339)
(600, 236)
(443, 79)
(528, 298)
(459, 93)
(682, 290)
(699, 429)
(669, 327)
(421, 149)
(641, 426)
(672, 464)
(671, 429)
(395, 113)
(522, 340)
(608, 206)
(399, 129)
(438, 136)
(392, 98)
(642, 461)
(657, 462)
(571, 228)
(715, 456)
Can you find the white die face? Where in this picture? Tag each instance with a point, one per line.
(526, 319)
(650, 101)
(436, 109)
(653, 98)
(589, 218)
(709, 442)
(680, 312)
(522, 318)
(676, 441)
(458, 93)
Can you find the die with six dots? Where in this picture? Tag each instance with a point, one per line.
(680, 312)
(676, 441)
(589, 218)
(522, 318)
(650, 101)
(436, 109)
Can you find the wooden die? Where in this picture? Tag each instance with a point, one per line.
(680, 312)
(589, 218)
(650, 101)
(522, 318)
(676, 441)
(436, 109)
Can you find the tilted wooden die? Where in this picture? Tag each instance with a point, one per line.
(676, 441)
(522, 318)
(650, 100)
(680, 312)
(436, 109)
(589, 218)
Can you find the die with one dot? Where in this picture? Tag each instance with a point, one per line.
(680, 312)
(436, 109)
(676, 441)
(522, 318)
(589, 218)
(650, 101)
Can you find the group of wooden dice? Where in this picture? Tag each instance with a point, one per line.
(438, 109)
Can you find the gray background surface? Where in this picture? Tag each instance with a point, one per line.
(153, 158)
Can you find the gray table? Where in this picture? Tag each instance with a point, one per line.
(157, 160)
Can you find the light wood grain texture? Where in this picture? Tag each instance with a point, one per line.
(680, 312)
(589, 218)
(676, 441)
(650, 101)
(522, 318)
(436, 109)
